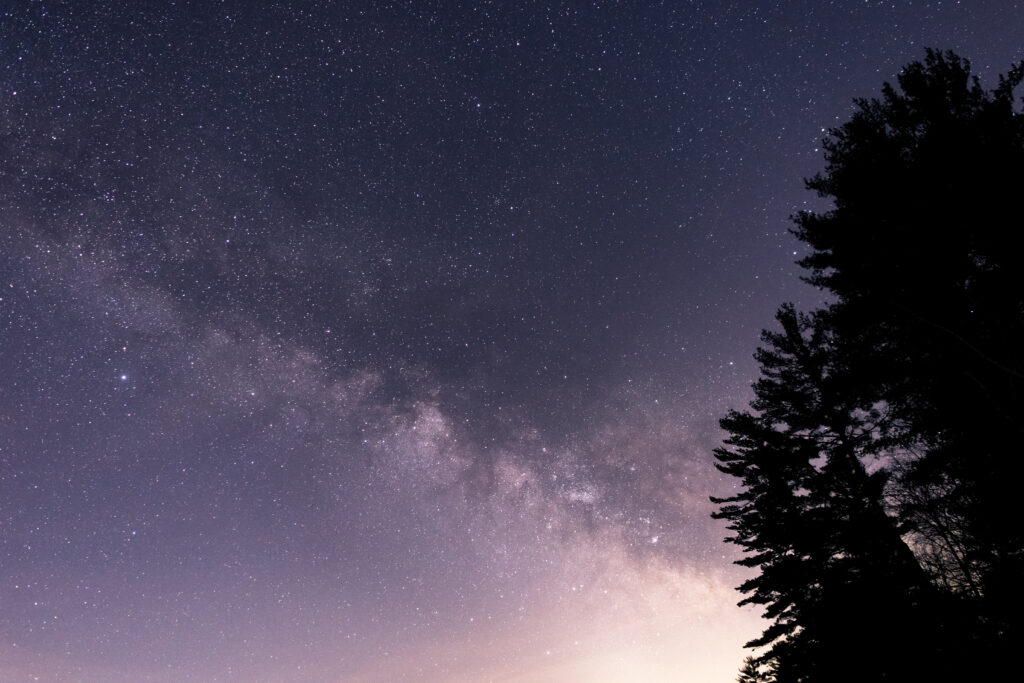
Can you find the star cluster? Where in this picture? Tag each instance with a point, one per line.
(386, 341)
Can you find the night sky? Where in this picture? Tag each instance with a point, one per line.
(374, 342)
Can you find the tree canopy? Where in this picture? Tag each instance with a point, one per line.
(877, 500)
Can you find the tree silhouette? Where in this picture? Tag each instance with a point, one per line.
(812, 518)
(875, 501)
(925, 258)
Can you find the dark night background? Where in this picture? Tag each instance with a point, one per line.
(387, 341)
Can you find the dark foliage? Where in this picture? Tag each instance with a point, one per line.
(813, 519)
(877, 500)
(750, 672)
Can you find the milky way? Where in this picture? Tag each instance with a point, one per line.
(387, 341)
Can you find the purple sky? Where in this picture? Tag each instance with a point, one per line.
(378, 342)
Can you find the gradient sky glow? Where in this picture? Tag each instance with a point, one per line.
(386, 341)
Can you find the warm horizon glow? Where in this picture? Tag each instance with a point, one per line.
(387, 342)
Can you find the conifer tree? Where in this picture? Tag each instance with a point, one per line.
(812, 518)
(924, 254)
(874, 500)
